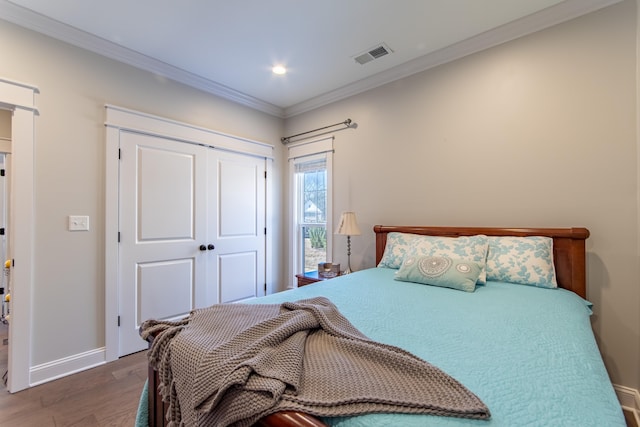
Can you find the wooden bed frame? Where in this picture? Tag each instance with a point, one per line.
(570, 263)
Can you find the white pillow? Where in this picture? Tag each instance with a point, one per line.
(522, 260)
(396, 249)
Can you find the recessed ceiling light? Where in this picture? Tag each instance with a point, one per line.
(279, 69)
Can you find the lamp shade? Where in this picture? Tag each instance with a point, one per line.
(348, 226)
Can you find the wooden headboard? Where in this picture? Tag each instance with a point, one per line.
(568, 247)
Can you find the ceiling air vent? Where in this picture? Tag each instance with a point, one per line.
(371, 54)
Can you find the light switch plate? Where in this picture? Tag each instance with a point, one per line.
(78, 223)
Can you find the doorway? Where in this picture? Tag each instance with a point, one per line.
(19, 100)
(5, 292)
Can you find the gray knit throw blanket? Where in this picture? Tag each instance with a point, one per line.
(232, 364)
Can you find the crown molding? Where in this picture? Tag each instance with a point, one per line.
(545, 18)
(57, 30)
(548, 17)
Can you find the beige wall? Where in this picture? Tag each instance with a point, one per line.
(74, 85)
(5, 123)
(540, 131)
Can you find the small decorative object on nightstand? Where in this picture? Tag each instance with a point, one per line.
(328, 270)
(310, 277)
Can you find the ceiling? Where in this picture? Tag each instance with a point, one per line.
(229, 47)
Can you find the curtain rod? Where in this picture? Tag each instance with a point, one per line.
(286, 139)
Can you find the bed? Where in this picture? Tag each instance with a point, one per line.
(527, 351)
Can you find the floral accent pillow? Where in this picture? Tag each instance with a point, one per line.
(396, 249)
(522, 260)
(440, 271)
(469, 248)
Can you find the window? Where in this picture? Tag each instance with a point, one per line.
(311, 195)
(311, 205)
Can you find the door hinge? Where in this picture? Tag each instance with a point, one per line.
(265, 231)
(265, 288)
(2, 172)
(118, 237)
(2, 231)
(265, 174)
(119, 154)
(118, 321)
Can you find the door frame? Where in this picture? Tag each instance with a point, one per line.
(122, 119)
(20, 99)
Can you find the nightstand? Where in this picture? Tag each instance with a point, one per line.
(310, 277)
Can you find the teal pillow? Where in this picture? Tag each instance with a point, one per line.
(440, 271)
(472, 248)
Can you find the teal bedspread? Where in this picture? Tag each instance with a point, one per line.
(529, 353)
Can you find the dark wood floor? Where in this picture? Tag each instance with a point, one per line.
(104, 396)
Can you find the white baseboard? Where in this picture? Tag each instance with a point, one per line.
(629, 399)
(69, 365)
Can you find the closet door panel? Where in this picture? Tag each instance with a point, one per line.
(166, 185)
(165, 289)
(162, 225)
(238, 273)
(237, 198)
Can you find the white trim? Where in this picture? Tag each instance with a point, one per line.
(111, 228)
(29, 86)
(66, 366)
(561, 12)
(20, 98)
(296, 151)
(291, 230)
(271, 224)
(17, 94)
(330, 206)
(629, 400)
(136, 121)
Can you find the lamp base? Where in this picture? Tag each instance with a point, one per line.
(348, 269)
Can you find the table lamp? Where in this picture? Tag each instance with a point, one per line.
(348, 226)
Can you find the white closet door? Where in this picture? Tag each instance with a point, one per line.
(162, 228)
(237, 224)
(192, 230)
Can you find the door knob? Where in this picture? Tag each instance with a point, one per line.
(203, 248)
(211, 247)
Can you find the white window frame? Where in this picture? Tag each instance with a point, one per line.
(298, 153)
